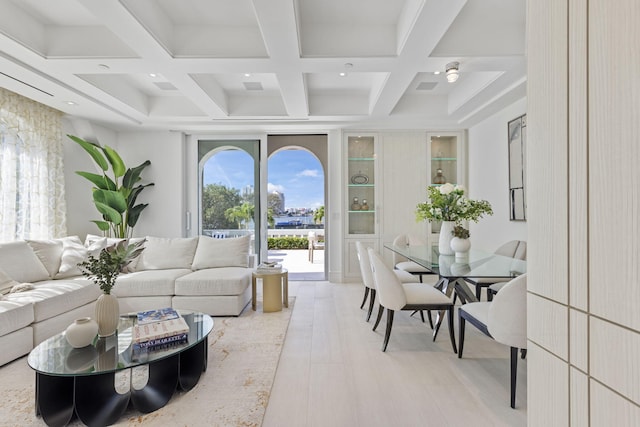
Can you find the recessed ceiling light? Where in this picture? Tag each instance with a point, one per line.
(247, 74)
(436, 72)
(342, 74)
(153, 75)
(70, 103)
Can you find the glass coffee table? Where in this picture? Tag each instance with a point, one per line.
(82, 380)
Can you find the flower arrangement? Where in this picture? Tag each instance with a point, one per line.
(448, 203)
(460, 232)
(105, 269)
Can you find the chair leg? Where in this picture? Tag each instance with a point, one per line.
(430, 319)
(380, 310)
(372, 300)
(523, 353)
(387, 332)
(461, 325)
(514, 373)
(366, 294)
(478, 292)
(422, 315)
(452, 335)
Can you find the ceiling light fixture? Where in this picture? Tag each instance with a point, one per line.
(153, 75)
(247, 74)
(70, 103)
(452, 71)
(436, 72)
(342, 74)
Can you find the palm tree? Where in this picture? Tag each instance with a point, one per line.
(240, 214)
(318, 215)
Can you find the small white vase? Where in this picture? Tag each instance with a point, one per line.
(107, 314)
(444, 242)
(81, 332)
(460, 247)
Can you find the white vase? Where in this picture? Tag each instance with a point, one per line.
(460, 247)
(81, 332)
(444, 244)
(107, 314)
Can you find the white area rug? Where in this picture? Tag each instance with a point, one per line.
(234, 391)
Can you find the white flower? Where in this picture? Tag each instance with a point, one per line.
(460, 188)
(446, 188)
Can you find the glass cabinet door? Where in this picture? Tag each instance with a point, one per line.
(361, 158)
(444, 167)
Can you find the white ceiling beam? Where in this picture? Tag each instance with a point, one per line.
(277, 21)
(431, 23)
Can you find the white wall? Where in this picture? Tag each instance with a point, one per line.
(489, 179)
(164, 217)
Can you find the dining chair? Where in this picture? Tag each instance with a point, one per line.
(395, 295)
(367, 278)
(504, 319)
(402, 263)
(314, 244)
(516, 249)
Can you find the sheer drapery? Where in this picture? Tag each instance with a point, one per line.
(32, 201)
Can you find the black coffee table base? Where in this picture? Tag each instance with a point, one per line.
(95, 401)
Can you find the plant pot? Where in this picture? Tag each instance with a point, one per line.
(444, 242)
(107, 314)
(460, 247)
(81, 332)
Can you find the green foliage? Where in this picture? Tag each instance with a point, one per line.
(448, 203)
(460, 232)
(287, 242)
(216, 200)
(105, 269)
(114, 196)
(242, 214)
(318, 215)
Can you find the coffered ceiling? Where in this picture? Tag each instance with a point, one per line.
(203, 65)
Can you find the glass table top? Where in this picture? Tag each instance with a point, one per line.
(476, 264)
(55, 356)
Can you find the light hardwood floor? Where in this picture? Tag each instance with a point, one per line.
(332, 371)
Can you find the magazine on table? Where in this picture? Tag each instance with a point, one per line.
(152, 316)
(160, 329)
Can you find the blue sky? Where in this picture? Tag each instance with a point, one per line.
(296, 173)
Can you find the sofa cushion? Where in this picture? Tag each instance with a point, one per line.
(214, 281)
(14, 315)
(212, 253)
(74, 252)
(53, 297)
(21, 263)
(166, 253)
(49, 253)
(148, 283)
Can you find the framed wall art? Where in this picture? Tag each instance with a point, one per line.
(517, 137)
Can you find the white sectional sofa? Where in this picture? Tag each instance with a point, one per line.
(198, 273)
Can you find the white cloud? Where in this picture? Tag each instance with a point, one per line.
(309, 172)
(273, 187)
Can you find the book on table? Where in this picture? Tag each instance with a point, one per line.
(159, 332)
(152, 316)
(269, 267)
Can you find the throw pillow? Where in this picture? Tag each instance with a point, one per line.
(212, 253)
(164, 253)
(74, 252)
(21, 263)
(49, 252)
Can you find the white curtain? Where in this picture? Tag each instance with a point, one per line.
(32, 200)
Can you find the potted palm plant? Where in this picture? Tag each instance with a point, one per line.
(115, 193)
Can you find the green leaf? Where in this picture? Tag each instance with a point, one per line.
(102, 225)
(93, 150)
(113, 199)
(133, 175)
(134, 214)
(116, 161)
(112, 215)
(133, 195)
(99, 181)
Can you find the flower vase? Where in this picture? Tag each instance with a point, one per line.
(460, 247)
(81, 332)
(107, 314)
(444, 243)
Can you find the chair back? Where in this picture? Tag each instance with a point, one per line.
(507, 320)
(390, 290)
(365, 265)
(513, 249)
(405, 240)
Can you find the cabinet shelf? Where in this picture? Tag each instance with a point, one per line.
(361, 185)
(444, 159)
(361, 211)
(361, 159)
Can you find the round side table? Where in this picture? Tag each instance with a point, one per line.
(275, 290)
